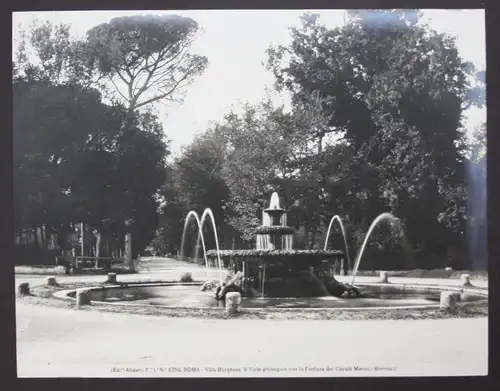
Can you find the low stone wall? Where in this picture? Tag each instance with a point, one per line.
(424, 273)
(99, 294)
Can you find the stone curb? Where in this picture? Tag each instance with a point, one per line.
(63, 294)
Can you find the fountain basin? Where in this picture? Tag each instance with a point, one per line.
(276, 256)
(188, 295)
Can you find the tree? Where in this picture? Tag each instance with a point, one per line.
(73, 161)
(476, 229)
(53, 125)
(195, 182)
(106, 167)
(48, 52)
(146, 57)
(394, 92)
(257, 151)
(478, 144)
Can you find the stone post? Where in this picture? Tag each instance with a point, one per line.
(128, 246)
(233, 300)
(245, 280)
(465, 280)
(98, 248)
(111, 278)
(50, 281)
(23, 289)
(82, 298)
(384, 277)
(448, 300)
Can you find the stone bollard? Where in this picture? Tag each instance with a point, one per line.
(465, 280)
(51, 281)
(233, 300)
(384, 278)
(449, 300)
(23, 289)
(111, 278)
(82, 297)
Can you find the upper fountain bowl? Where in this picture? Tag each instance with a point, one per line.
(275, 214)
(275, 209)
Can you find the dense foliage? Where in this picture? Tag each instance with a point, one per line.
(375, 126)
(79, 155)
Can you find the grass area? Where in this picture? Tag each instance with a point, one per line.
(43, 295)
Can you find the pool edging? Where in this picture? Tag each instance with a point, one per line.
(64, 294)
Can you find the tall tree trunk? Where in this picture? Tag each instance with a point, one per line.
(44, 236)
(90, 236)
(82, 239)
(98, 245)
(37, 238)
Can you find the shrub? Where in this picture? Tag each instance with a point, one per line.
(186, 277)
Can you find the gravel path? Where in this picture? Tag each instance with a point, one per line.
(91, 344)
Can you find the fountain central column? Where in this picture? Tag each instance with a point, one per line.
(275, 218)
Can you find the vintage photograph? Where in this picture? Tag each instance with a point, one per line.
(250, 193)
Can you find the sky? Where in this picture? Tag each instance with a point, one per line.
(235, 42)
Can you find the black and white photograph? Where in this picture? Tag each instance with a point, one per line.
(294, 193)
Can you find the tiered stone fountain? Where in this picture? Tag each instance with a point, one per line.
(274, 268)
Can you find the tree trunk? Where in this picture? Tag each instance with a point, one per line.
(37, 238)
(90, 235)
(320, 143)
(128, 250)
(82, 239)
(306, 235)
(44, 236)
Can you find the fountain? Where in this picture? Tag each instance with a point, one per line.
(342, 230)
(206, 213)
(193, 214)
(274, 276)
(382, 217)
(274, 268)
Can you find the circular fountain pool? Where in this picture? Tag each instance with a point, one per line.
(375, 296)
